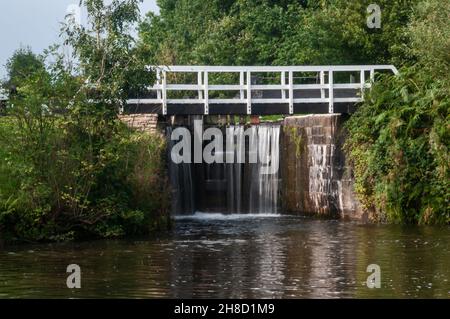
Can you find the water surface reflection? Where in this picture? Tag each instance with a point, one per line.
(239, 256)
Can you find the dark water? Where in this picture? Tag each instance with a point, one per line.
(235, 257)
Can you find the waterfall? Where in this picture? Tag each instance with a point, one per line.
(324, 191)
(181, 181)
(264, 189)
(234, 170)
(319, 172)
(247, 182)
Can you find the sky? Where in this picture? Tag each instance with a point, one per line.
(35, 23)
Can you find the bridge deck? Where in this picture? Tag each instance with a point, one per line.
(207, 90)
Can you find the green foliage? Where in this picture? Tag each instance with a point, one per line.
(22, 64)
(70, 169)
(399, 139)
(336, 32)
(430, 37)
(294, 135)
(106, 55)
(59, 180)
(264, 32)
(399, 144)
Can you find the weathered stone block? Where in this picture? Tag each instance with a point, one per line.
(320, 175)
(143, 122)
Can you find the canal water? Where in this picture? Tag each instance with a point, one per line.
(240, 256)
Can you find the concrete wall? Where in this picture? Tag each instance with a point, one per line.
(316, 176)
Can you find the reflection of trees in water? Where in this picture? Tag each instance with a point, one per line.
(314, 263)
(228, 267)
(248, 258)
(270, 265)
(320, 263)
(108, 269)
(314, 259)
(411, 258)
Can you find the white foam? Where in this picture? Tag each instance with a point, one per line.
(220, 216)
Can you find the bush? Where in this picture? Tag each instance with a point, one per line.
(399, 143)
(399, 138)
(70, 168)
(58, 185)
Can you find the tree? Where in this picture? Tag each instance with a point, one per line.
(336, 32)
(22, 64)
(429, 32)
(108, 60)
(179, 28)
(267, 32)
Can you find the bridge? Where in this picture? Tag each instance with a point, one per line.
(256, 90)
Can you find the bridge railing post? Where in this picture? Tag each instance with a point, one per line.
(158, 83)
(363, 82)
(372, 76)
(291, 92)
(199, 82)
(164, 92)
(322, 82)
(206, 97)
(241, 83)
(330, 92)
(249, 92)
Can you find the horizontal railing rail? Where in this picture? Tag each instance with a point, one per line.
(361, 78)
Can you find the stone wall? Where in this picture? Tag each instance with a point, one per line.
(143, 122)
(316, 176)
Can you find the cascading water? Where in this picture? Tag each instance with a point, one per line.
(234, 171)
(324, 191)
(181, 182)
(264, 189)
(247, 181)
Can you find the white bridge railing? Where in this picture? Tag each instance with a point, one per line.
(359, 78)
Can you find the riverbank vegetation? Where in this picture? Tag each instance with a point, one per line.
(399, 139)
(70, 169)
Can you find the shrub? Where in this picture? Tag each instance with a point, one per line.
(399, 146)
(399, 138)
(54, 185)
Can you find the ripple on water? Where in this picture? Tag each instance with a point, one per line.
(240, 256)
